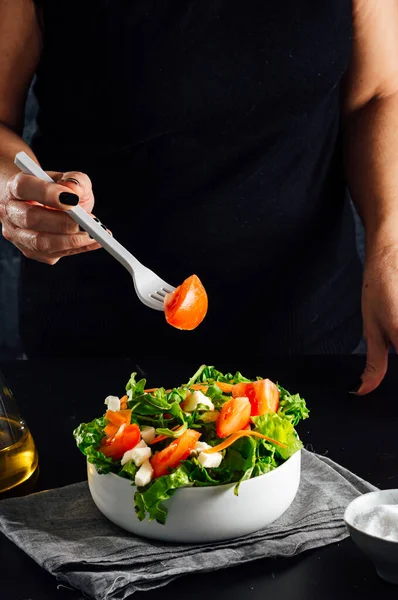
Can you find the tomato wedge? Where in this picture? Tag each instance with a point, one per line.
(169, 458)
(186, 307)
(263, 396)
(234, 416)
(126, 438)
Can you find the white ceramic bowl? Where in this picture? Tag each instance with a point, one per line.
(383, 553)
(202, 514)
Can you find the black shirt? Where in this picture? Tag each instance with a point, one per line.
(211, 131)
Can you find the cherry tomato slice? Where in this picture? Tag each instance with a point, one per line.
(234, 416)
(263, 396)
(186, 307)
(171, 456)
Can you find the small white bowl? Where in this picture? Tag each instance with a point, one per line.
(383, 553)
(202, 514)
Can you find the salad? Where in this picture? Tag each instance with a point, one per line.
(215, 429)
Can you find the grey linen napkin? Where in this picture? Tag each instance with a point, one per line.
(64, 532)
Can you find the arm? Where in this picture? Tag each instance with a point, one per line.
(39, 233)
(370, 120)
(20, 49)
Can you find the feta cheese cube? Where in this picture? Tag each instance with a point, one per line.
(148, 433)
(141, 444)
(144, 474)
(192, 402)
(113, 403)
(210, 461)
(129, 455)
(199, 447)
(140, 455)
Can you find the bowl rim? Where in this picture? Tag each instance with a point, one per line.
(191, 488)
(350, 524)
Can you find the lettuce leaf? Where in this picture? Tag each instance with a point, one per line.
(88, 437)
(208, 374)
(292, 407)
(148, 501)
(128, 470)
(279, 429)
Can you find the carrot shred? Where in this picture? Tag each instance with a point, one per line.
(118, 417)
(123, 403)
(235, 436)
(160, 438)
(225, 387)
(111, 430)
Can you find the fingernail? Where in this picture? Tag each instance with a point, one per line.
(69, 199)
(356, 389)
(73, 180)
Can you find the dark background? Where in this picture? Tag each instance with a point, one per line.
(9, 267)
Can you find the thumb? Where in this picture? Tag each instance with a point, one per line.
(376, 362)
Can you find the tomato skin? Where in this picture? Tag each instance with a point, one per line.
(126, 438)
(234, 416)
(171, 456)
(263, 395)
(186, 307)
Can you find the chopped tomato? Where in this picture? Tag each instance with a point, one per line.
(118, 417)
(234, 416)
(186, 307)
(171, 456)
(263, 396)
(126, 438)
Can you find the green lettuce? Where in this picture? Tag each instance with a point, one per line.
(210, 374)
(148, 501)
(88, 437)
(279, 429)
(292, 407)
(128, 471)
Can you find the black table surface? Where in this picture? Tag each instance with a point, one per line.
(359, 433)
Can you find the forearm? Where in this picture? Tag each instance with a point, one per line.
(10, 144)
(371, 158)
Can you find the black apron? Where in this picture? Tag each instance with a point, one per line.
(211, 132)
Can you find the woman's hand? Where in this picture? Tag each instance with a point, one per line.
(35, 219)
(380, 310)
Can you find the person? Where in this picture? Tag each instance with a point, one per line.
(217, 138)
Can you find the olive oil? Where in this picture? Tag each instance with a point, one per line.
(18, 454)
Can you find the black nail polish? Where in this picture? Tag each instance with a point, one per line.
(69, 199)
